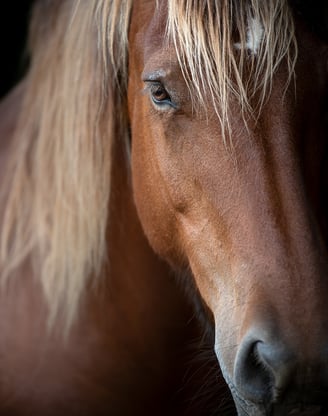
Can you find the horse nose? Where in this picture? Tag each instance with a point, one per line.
(262, 369)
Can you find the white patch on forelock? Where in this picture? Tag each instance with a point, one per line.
(253, 37)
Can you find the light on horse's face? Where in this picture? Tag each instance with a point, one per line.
(241, 218)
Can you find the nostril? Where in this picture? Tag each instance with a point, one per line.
(279, 361)
(253, 377)
(274, 378)
(262, 370)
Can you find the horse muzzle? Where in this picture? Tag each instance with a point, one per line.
(270, 378)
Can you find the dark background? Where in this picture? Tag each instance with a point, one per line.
(14, 15)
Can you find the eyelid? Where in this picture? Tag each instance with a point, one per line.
(153, 76)
(149, 83)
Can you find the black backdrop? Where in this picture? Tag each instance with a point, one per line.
(13, 29)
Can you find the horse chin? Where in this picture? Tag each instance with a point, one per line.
(300, 407)
(310, 400)
(245, 408)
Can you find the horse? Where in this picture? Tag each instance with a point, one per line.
(162, 212)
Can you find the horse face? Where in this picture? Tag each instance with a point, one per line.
(245, 219)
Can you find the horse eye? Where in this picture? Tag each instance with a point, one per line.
(159, 94)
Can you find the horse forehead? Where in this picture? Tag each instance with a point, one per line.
(147, 36)
(156, 28)
(148, 23)
(156, 18)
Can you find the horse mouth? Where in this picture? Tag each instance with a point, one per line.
(285, 408)
(301, 410)
(245, 409)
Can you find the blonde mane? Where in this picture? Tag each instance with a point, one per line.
(212, 38)
(59, 177)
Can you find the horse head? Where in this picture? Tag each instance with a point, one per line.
(227, 137)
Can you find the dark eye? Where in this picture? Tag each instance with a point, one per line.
(159, 95)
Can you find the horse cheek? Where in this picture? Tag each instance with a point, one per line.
(155, 215)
